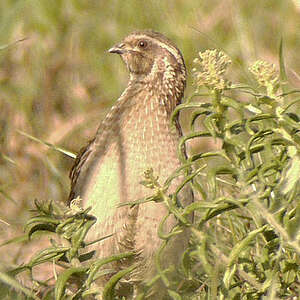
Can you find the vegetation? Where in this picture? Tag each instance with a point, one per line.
(245, 238)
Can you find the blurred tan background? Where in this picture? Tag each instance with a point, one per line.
(58, 83)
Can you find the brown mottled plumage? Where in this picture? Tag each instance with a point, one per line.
(135, 136)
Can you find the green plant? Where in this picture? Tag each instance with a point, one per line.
(246, 231)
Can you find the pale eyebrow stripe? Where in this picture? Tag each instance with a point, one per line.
(171, 49)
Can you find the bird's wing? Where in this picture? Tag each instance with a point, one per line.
(79, 162)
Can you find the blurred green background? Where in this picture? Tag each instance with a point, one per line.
(58, 83)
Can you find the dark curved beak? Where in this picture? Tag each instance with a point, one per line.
(118, 49)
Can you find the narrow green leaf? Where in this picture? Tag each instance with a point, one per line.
(292, 174)
(63, 278)
(174, 295)
(99, 263)
(242, 245)
(108, 292)
(12, 282)
(66, 152)
(283, 76)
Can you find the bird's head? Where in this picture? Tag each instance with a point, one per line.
(151, 57)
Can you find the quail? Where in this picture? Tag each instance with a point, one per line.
(135, 135)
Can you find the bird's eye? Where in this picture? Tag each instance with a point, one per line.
(142, 44)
